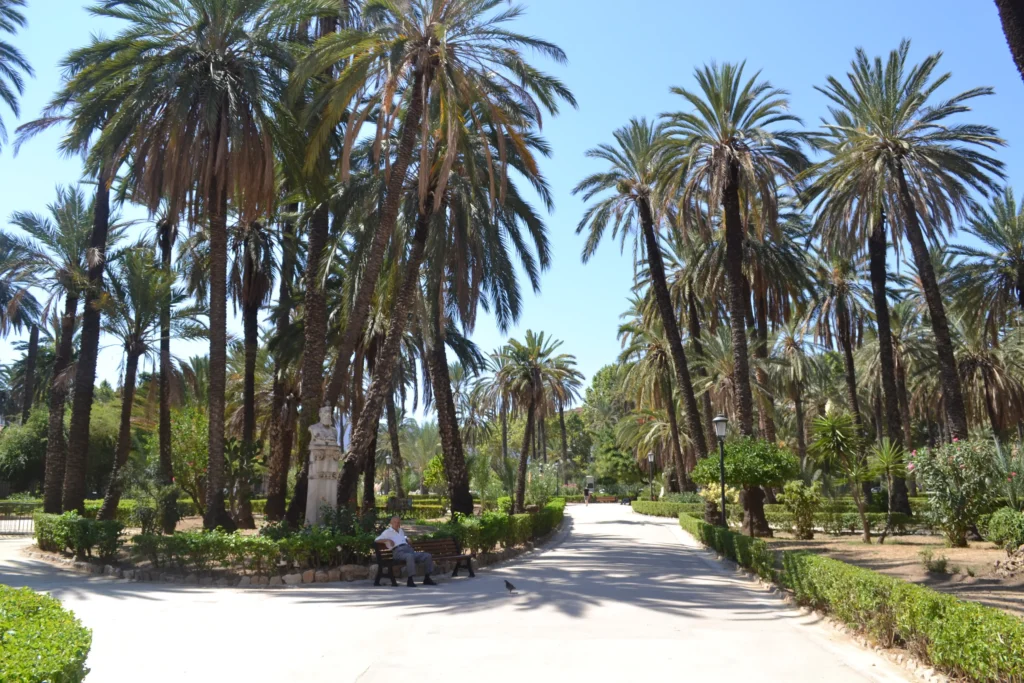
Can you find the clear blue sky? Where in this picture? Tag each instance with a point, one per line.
(623, 58)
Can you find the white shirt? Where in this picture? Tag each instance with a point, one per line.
(395, 538)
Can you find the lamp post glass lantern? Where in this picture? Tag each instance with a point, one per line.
(387, 475)
(721, 423)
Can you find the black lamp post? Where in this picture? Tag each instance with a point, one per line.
(650, 471)
(721, 422)
(387, 475)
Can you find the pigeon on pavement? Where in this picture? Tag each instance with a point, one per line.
(510, 587)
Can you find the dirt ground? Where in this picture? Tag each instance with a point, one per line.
(901, 557)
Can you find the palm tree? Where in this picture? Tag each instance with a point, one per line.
(650, 373)
(399, 54)
(901, 153)
(198, 79)
(166, 234)
(1011, 14)
(729, 146)
(530, 373)
(283, 408)
(138, 288)
(12, 63)
(990, 281)
(56, 252)
(635, 199)
(795, 371)
(251, 276)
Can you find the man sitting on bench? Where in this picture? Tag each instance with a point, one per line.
(401, 550)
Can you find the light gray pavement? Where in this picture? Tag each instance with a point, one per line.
(617, 596)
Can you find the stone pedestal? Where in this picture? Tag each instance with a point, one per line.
(324, 456)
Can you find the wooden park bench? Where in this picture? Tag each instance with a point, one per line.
(396, 505)
(440, 549)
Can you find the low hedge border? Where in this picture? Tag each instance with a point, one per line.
(41, 640)
(483, 534)
(80, 535)
(778, 518)
(964, 639)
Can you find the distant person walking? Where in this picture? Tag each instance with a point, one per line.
(586, 497)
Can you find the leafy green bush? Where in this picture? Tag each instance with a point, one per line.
(80, 535)
(1006, 528)
(483, 534)
(41, 641)
(310, 548)
(959, 478)
(802, 502)
(964, 639)
(505, 505)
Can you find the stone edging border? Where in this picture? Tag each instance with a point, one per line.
(348, 573)
(900, 658)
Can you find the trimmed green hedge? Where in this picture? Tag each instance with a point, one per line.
(777, 516)
(483, 534)
(201, 551)
(40, 641)
(749, 552)
(964, 639)
(80, 535)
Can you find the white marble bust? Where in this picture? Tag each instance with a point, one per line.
(323, 433)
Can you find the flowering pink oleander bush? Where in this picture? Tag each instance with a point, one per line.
(961, 482)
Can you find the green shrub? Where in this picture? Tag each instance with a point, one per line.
(802, 502)
(505, 505)
(41, 641)
(1006, 529)
(964, 639)
(202, 551)
(936, 564)
(80, 535)
(958, 478)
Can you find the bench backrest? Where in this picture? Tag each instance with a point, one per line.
(439, 547)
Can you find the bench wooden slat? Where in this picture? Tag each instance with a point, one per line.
(440, 549)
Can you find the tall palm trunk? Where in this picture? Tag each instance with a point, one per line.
(112, 498)
(850, 374)
(371, 270)
(380, 385)
(53, 480)
(251, 334)
(890, 394)
(165, 466)
(542, 436)
(737, 302)
(504, 431)
(29, 391)
(767, 408)
(677, 452)
(280, 447)
(313, 352)
(850, 371)
(1011, 12)
(801, 438)
(565, 442)
(85, 374)
(370, 470)
(693, 322)
(952, 394)
(524, 457)
(396, 452)
(448, 424)
(217, 208)
(668, 318)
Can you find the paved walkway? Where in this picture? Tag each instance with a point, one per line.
(620, 597)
